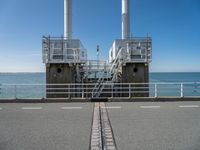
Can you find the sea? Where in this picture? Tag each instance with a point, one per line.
(9, 80)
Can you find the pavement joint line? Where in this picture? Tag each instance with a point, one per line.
(107, 133)
(70, 108)
(96, 136)
(189, 106)
(102, 137)
(32, 108)
(149, 106)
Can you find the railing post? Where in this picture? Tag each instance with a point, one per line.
(82, 91)
(156, 91)
(15, 91)
(112, 90)
(87, 90)
(1, 91)
(129, 90)
(69, 95)
(0, 88)
(45, 92)
(181, 90)
(93, 91)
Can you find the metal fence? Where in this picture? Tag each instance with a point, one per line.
(109, 90)
(61, 50)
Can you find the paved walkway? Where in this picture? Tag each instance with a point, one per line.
(132, 126)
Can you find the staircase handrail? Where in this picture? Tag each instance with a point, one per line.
(113, 70)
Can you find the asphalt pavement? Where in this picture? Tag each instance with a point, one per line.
(156, 126)
(45, 126)
(67, 126)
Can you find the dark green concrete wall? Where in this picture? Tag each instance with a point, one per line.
(136, 73)
(59, 74)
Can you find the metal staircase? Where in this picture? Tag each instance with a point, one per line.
(113, 71)
(98, 85)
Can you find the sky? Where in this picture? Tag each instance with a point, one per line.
(174, 26)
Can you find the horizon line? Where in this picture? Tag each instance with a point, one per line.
(149, 72)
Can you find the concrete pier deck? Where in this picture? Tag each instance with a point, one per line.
(137, 126)
(156, 126)
(45, 126)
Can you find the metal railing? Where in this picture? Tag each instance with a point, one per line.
(110, 90)
(92, 66)
(96, 89)
(114, 69)
(136, 50)
(61, 50)
(67, 55)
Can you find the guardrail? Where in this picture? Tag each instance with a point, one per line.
(111, 90)
(57, 50)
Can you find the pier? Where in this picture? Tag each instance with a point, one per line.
(142, 125)
(95, 104)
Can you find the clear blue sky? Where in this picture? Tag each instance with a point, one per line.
(173, 24)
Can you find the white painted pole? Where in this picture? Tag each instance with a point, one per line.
(67, 19)
(156, 91)
(125, 19)
(181, 90)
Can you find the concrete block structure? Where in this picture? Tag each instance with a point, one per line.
(66, 61)
(133, 54)
(64, 58)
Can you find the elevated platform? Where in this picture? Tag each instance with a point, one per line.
(66, 63)
(133, 50)
(60, 50)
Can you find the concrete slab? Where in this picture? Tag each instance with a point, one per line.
(168, 127)
(49, 127)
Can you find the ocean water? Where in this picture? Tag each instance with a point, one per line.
(39, 78)
(22, 78)
(172, 84)
(8, 80)
(25, 89)
(175, 77)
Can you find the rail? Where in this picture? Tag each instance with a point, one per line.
(110, 90)
(97, 87)
(136, 50)
(61, 50)
(114, 69)
(92, 66)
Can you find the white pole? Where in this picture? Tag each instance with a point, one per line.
(156, 91)
(125, 19)
(181, 90)
(67, 19)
